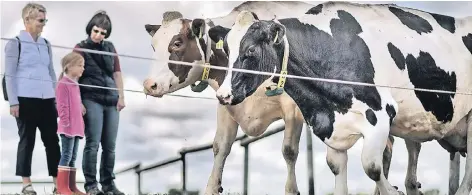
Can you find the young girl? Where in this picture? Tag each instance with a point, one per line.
(71, 123)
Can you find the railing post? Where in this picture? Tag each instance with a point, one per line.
(246, 168)
(138, 174)
(309, 150)
(184, 174)
(454, 173)
(137, 170)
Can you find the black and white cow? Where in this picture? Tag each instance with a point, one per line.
(378, 44)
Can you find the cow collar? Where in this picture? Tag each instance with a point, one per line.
(283, 72)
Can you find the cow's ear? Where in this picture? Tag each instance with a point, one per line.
(152, 29)
(218, 33)
(198, 28)
(245, 18)
(277, 32)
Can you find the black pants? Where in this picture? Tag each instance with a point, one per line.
(41, 114)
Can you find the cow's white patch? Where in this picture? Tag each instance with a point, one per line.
(160, 71)
(239, 29)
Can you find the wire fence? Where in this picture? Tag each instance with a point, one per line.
(245, 141)
(250, 71)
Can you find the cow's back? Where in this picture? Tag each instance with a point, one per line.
(408, 48)
(265, 10)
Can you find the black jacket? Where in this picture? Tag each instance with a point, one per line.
(98, 71)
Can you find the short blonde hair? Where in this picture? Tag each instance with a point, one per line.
(31, 10)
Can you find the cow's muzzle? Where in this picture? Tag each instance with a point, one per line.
(151, 88)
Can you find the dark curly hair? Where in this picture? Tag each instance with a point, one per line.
(101, 20)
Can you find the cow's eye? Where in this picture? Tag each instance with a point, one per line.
(251, 50)
(177, 43)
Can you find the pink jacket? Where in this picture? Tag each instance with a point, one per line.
(69, 108)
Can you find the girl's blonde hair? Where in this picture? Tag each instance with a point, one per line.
(68, 60)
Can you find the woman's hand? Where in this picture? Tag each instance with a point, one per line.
(83, 110)
(15, 110)
(121, 104)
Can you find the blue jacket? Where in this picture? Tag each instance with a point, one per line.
(35, 66)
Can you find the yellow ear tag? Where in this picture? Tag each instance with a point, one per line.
(206, 71)
(282, 79)
(219, 45)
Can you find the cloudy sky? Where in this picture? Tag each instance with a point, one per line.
(155, 129)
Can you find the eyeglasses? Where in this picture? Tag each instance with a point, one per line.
(42, 20)
(101, 32)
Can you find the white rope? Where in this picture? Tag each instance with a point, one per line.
(111, 88)
(251, 71)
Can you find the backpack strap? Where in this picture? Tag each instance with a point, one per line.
(19, 49)
(49, 48)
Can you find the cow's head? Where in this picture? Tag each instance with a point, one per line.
(176, 39)
(253, 45)
(232, 41)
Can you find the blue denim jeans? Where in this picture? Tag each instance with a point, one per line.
(69, 146)
(101, 128)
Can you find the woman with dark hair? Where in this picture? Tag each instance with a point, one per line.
(102, 105)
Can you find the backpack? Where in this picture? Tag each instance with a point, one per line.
(4, 86)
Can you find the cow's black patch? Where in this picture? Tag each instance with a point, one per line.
(468, 42)
(373, 172)
(315, 10)
(447, 22)
(412, 21)
(370, 116)
(424, 73)
(323, 123)
(315, 53)
(218, 33)
(397, 56)
(391, 112)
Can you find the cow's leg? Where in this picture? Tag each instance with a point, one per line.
(290, 148)
(411, 184)
(337, 162)
(466, 184)
(375, 140)
(386, 160)
(226, 131)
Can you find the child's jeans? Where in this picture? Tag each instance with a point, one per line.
(70, 146)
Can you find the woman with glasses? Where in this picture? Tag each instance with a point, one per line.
(31, 94)
(102, 105)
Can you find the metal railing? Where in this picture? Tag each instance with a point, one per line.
(245, 141)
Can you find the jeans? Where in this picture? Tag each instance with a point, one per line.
(101, 127)
(70, 146)
(41, 114)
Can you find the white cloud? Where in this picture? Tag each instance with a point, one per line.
(147, 135)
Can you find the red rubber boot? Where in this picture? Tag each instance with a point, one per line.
(72, 180)
(63, 180)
